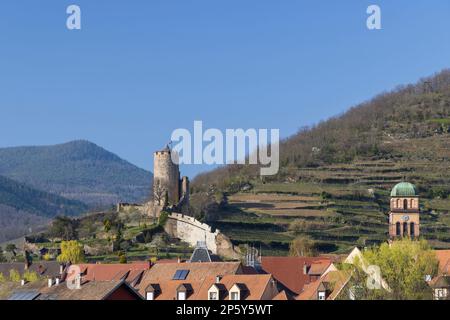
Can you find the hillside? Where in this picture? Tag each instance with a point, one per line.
(78, 170)
(335, 177)
(23, 208)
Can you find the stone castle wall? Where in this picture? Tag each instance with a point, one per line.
(190, 230)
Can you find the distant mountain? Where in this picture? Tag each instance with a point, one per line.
(23, 208)
(78, 170)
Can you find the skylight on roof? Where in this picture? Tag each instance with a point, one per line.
(180, 275)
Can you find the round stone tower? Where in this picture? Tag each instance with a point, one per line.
(166, 178)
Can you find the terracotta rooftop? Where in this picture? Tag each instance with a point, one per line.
(254, 287)
(91, 290)
(334, 281)
(281, 296)
(289, 271)
(132, 273)
(41, 268)
(163, 274)
(443, 257)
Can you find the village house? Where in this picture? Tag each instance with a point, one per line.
(206, 281)
(328, 287)
(84, 290)
(293, 273)
(42, 269)
(131, 273)
(441, 283)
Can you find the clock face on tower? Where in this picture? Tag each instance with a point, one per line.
(405, 218)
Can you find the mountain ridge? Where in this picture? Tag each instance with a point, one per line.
(79, 170)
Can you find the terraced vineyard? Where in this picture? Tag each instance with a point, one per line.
(338, 206)
(335, 177)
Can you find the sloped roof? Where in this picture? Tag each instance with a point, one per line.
(281, 296)
(8, 289)
(42, 268)
(131, 273)
(252, 287)
(200, 255)
(91, 290)
(334, 281)
(443, 257)
(289, 270)
(162, 274)
(442, 281)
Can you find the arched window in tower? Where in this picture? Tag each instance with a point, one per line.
(405, 204)
(405, 229)
(411, 229)
(397, 229)
(398, 204)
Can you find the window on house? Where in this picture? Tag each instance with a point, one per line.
(322, 295)
(398, 204)
(397, 229)
(180, 275)
(411, 229)
(150, 296)
(405, 204)
(181, 296)
(405, 228)
(213, 295)
(234, 295)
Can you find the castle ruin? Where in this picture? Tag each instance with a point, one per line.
(169, 191)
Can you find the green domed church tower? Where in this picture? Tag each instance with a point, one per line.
(404, 217)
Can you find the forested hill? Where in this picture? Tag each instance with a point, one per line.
(22, 208)
(335, 178)
(78, 170)
(387, 127)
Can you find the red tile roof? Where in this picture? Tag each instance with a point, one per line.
(289, 270)
(335, 280)
(131, 272)
(443, 257)
(281, 296)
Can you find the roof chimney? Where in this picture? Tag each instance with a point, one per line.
(305, 269)
(78, 281)
(22, 282)
(50, 282)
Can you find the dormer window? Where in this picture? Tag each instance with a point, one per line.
(181, 296)
(322, 295)
(322, 291)
(238, 292)
(234, 295)
(217, 291)
(213, 295)
(152, 291)
(183, 291)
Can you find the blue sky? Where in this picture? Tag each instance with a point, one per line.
(139, 69)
